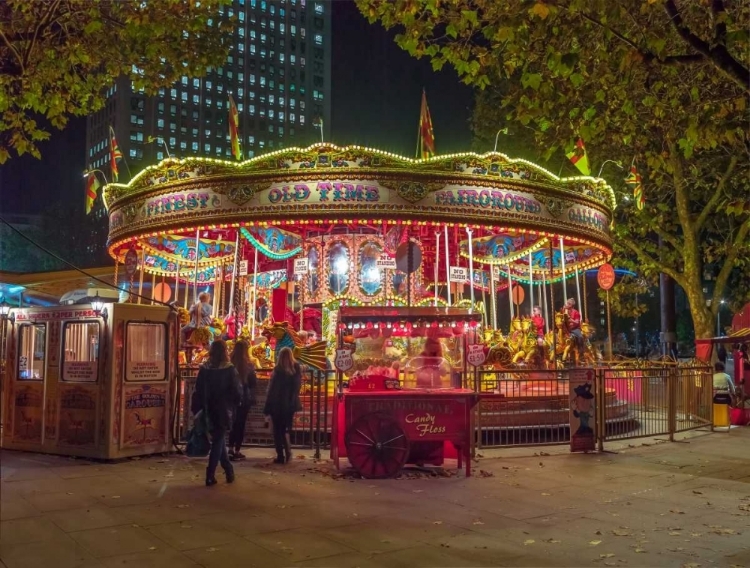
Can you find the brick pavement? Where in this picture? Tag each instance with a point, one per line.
(684, 504)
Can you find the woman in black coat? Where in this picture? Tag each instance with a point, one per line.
(283, 401)
(248, 380)
(217, 393)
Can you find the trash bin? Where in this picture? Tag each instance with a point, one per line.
(721, 410)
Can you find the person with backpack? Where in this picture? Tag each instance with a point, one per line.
(246, 371)
(217, 394)
(283, 401)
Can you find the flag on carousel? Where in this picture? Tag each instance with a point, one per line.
(114, 153)
(234, 129)
(92, 189)
(579, 158)
(633, 181)
(426, 134)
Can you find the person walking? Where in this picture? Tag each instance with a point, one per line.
(283, 401)
(217, 393)
(248, 380)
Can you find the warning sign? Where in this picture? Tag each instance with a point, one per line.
(144, 371)
(300, 266)
(243, 267)
(459, 274)
(80, 371)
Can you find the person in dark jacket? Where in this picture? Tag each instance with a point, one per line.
(283, 401)
(248, 380)
(217, 393)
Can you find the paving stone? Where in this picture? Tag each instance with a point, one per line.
(114, 541)
(60, 501)
(240, 553)
(94, 517)
(57, 553)
(192, 534)
(150, 559)
(17, 508)
(29, 530)
(299, 544)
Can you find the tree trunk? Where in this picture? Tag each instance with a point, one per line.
(700, 312)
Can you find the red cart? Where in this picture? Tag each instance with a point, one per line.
(402, 404)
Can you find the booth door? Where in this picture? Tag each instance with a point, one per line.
(26, 396)
(79, 385)
(145, 386)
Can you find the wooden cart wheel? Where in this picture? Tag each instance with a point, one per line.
(377, 446)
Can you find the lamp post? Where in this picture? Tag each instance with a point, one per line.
(86, 173)
(605, 162)
(499, 132)
(97, 304)
(157, 139)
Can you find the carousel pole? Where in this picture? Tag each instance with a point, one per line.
(153, 287)
(484, 301)
(471, 267)
(234, 276)
(531, 288)
(447, 265)
(255, 294)
(578, 290)
(177, 285)
(510, 292)
(543, 300)
(493, 296)
(585, 299)
(197, 258)
(437, 264)
(562, 264)
(552, 296)
(187, 293)
(140, 276)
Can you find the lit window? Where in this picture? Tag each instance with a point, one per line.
(252, 79)
(132, 152)
(292, 29)
(302, 32)
(292, 117)
(262, 81)
(281, 57)
(183, 145)
(252, 95)
(282, 29)
(319, 39)
(184, 96)
(281, 116)
(159, 155)
(271, 99)
(252, 48)
(251, 109)
(207, 148)
(172, 141)
(261, 144)
(270, 113)
(292, 103)
(241, 16)
(160, 123)
(195, 146)
(209, 85)
(173, 93)
(302, 119)
(293, 59)
(251, 140)
(32, 351)
(241, 31)
(240, 76)
(252, 34)
(241, 47)
(196, 99)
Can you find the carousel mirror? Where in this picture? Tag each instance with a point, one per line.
(313, 261)
(338, 268)
(370, 276)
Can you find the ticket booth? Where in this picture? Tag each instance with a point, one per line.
(91, 384)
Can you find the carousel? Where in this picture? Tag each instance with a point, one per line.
(273, 248)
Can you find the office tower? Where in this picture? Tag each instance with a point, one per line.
(278, 71)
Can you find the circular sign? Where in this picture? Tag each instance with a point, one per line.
(518, 294)
(403, 262)
(162, 292)
(131, 262)
(606, 276)
(476, 355)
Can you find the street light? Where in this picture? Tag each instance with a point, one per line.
(499, 132)
(98, 306)
(605, 162)
(87, 173)
(718, 318)
(152, 139)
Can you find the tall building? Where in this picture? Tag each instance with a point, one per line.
(278, 71)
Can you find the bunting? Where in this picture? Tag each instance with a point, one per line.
(114, 154)
(633, 181)
(92, 189)
(579, 158)
(234, 129)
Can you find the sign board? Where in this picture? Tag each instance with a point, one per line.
(459, 274)
(80, 371)
(300, 266)
(606, 276)
(386, 262)
(131, 262)
(582, 411)
(144, 371)
(519, 295)
(475, 356)
(162, 292)
(244, 265)
(344, 360)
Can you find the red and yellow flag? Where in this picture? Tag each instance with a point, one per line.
(92, 189)
(114, 153)
(634, 182)
(579, 158)
(426, 134)
(234, 129)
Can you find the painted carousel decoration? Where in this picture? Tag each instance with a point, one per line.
(295, 235)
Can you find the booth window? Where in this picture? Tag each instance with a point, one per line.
(146, 354)
(80, 351)
(32, 351)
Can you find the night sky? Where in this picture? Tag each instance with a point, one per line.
(376, 96)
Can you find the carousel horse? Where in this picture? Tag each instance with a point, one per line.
(200, 337)
(530, 350)
(496, 350)
(313, 355)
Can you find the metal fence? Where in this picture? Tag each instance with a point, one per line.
(515, 408)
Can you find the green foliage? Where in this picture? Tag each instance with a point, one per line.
(57, 57)
(664, 81)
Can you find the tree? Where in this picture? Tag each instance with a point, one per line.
(664, 81)
(58, 56)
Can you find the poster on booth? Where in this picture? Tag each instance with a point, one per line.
(475, 355)
(79, 371)
(144, 420)
(27, 414)
(144, 371)
(582, 411)
(77, 416)
(344, 360)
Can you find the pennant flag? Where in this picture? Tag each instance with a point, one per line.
(426, 135)
(579, 158)
(633, 181)
(92, 189)
(114, 153)
(234, 129)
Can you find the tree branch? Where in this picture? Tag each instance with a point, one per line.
(43, 23)
(711, 205)
(740, 240)
(669, 238)
(14, 51)
(718, 55)
(647, 258)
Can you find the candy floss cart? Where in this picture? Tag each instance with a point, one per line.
(399, 394)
